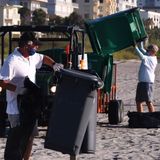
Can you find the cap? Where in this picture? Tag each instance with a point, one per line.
(153, 47)
(28, 36)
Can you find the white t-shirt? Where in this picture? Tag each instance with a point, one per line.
(15, 69)
(147, 69)
(148, 65)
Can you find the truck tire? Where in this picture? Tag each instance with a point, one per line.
(115, 111)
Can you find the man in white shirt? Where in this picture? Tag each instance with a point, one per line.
(146, 76)
(21, 63)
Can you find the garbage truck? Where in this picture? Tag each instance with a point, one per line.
(105, 39)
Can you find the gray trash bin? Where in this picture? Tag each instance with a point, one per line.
(71, 117)
(89, 140)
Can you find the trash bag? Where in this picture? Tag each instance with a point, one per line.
(30, 103)
(144, 120)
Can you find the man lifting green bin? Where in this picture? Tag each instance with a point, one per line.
(108, 35)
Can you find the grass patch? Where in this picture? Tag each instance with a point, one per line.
(125, 54)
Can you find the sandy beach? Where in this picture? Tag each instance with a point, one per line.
(114, 142)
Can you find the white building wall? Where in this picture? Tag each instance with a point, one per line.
(62, 8)
(157, 3)
(86, 8)
(41, 1)
(9, 15)
(151, 15)
(126, 4)
(35, 4)
(142, 3)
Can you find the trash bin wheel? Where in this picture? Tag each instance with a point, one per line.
(115, 111)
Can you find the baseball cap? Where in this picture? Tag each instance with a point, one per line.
(29, 36)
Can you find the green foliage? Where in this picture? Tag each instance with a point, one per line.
(6, 46)
(55, 20)
(25, 16)
(49, 45)
(74, 19)
(126, 54)
(88, 47)
(39, 17)
(153, 35)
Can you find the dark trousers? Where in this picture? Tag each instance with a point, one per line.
(17, 141)
(3, 117)
(29, 106)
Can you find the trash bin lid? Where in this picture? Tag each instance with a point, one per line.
(115, 32)
(79, 74)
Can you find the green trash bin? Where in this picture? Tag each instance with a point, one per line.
(115, 32)
(103, 65)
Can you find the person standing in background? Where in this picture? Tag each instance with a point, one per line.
(146, 76)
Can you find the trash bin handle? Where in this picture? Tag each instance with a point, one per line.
(137, 24)
(96, 41)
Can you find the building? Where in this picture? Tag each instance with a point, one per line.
(150, 10)
(62, 8)
(91, 9)
(149, 5)
(9, 15)
(125, 4)
(30, 4)
(85, 8)
(103, 8)
(35, 4)
(154, 18)
(12, 2)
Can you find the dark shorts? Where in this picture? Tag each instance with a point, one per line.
(144, 92)
(15, 121)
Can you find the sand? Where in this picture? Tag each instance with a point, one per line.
(114, 142)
